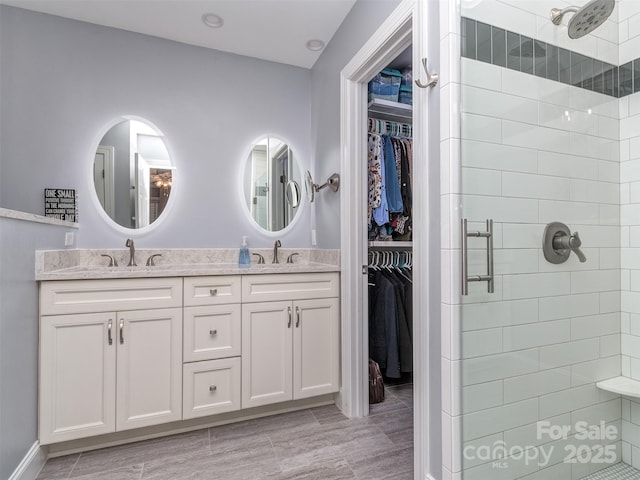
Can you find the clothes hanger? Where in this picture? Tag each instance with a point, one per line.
(376, 261)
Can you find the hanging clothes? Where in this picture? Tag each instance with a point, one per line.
(375, 176)
(392, 181)
(390, 196)
(381, 212)
(390, 322)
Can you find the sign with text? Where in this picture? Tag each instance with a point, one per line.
(61, 203)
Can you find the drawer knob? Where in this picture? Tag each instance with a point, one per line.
(213, 333)
(212, 388)
(213, 292)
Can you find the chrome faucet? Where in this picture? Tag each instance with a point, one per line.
(132, 253)
(112, 261)
(151, 261)
(275, 251)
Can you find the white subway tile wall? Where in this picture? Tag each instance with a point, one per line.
(530, 150)
(630, 235)
(605, 61)
(533, 350)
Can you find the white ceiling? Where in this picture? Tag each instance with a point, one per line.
(275, 30)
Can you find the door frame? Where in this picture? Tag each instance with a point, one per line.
(108, 154)
(407, 25)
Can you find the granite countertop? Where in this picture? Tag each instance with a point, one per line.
(90, 264)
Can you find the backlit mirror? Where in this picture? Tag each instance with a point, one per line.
(272, 184)
(133, 174)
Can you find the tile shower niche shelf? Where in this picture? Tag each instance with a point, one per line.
(621, 385)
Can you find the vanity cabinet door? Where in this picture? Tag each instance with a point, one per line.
(316, 347)
(149, 367)
(77, 376)
(267, 330)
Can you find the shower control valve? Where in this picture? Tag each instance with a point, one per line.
(571, 242)
(559, 242)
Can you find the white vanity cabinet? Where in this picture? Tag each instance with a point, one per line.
(120, 354)
(290, 337)
(110, 356)
(212, 345)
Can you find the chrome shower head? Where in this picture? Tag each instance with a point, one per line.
(586, 19)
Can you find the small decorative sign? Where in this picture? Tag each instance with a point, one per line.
(61, 203)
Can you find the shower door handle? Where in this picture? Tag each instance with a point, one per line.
(489, 277)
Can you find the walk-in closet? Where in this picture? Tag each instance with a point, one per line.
(390, 226)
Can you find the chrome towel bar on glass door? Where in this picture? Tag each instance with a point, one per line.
(465, 257)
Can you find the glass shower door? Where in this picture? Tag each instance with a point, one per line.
(539, 143)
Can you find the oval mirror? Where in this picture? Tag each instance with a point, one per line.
(272, 184)
(133, 174)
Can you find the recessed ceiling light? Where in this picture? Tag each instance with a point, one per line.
(315, 45)
(212, 20)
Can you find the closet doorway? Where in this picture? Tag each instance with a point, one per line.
(390, 241)
(405, 27)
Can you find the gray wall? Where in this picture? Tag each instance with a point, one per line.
(19, 336)
(363, 20)
(64, 81)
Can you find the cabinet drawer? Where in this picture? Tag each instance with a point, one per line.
(289, 286)
(211, 290)
(212, 332)
(211, 387)
(91, 296)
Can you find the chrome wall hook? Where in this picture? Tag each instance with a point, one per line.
(432, 79)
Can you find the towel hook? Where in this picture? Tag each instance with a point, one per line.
(432, 79)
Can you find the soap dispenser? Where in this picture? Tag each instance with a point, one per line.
(244, 260)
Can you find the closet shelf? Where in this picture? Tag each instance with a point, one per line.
(391, 111)
(395, 245)
(621, 385)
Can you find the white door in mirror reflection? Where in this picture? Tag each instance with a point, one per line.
(133, 174)
(143, 187)
(103, 177)
(272, 180)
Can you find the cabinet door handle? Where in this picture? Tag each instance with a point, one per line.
(289, 312)
(213, 333)
(297, 317)
(212, 388)
(213, 292)
(109, 327)
(121, 331)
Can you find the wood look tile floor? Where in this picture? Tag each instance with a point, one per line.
(313, 444)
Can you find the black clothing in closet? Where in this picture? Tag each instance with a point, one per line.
(390, 329)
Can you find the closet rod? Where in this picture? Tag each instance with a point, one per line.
(385, 126)
(390, 259)
(390, 245)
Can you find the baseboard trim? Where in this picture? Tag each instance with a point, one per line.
(183, 426)
(31, 464)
